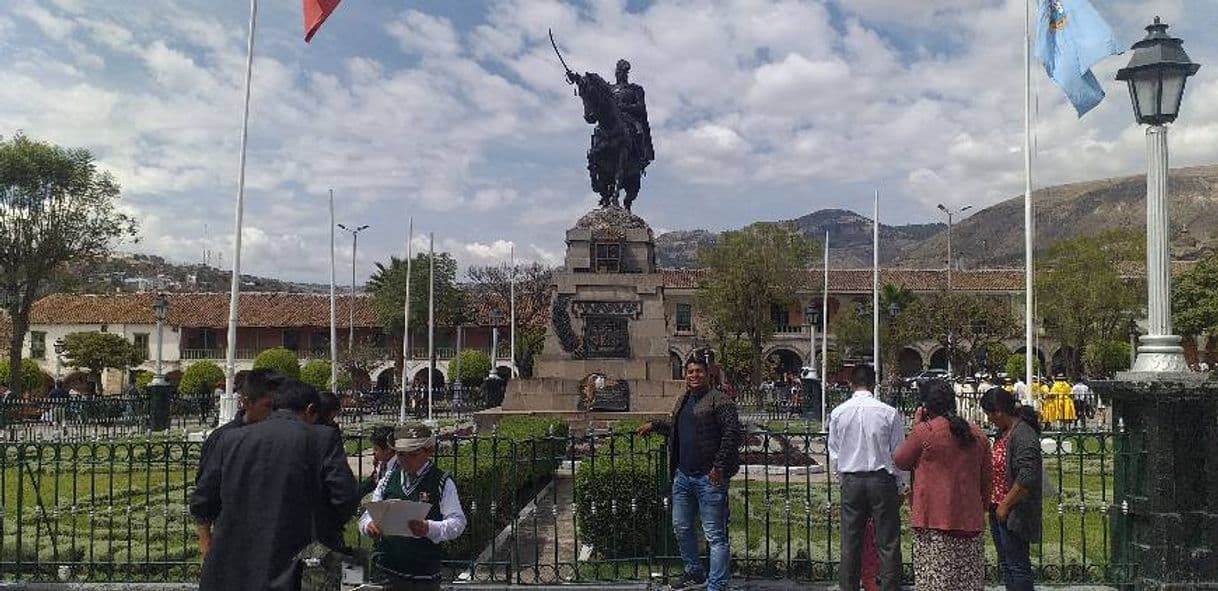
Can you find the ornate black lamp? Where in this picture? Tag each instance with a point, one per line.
(1156, 75)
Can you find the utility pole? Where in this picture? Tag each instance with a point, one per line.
(950, 215)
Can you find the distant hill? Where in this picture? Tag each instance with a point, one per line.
(141, 272)
(993, 237)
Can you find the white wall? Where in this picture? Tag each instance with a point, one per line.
(111, 379)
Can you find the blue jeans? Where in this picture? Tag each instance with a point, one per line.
(1013, 558)
(692, 494)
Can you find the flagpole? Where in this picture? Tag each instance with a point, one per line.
(512, 306)
(228, 407)
(431, 321)
(824, 337)
(875, 288)
(333, 307)
(1027, 192)
(406, 327)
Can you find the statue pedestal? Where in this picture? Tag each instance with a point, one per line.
(606, 347)
(1167, 471)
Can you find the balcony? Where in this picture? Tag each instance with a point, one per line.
(213, 354)
(789, 330)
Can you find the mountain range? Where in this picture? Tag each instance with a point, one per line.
(993, 237)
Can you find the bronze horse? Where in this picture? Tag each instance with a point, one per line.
(614, 158)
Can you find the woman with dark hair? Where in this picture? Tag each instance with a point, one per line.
(950, 461)
(1015, 505)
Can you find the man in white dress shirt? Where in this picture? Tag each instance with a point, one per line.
(863, 435)
(414, 563)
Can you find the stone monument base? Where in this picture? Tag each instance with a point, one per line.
(1167, 474)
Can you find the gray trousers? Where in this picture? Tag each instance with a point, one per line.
(870, 495)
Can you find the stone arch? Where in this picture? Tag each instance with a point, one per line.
(1066, 359)
(1039, 366)
(419, 379)
(909, 361)
(782, 361)
(386, 378)
(938, 359)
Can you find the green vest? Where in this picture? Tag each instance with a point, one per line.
(412, 556)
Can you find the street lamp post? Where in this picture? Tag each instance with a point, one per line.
(496, 316)
(950, 215)
(351, 304)
(59, 348)
(160, 307)
(1156, 75)
(812, 317)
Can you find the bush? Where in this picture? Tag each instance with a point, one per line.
(280, 360)
(617, 496)
(495, 475)
(316, 373)
(31, 375)
(200, 379)
(475, 365)
(143, 377)
(1107, 358)
(1015, 366)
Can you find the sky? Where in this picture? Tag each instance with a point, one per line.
(457, 114)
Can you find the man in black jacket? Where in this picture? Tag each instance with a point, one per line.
(270, 490)
(703, 453)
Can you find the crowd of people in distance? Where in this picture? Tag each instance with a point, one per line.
(275, 482)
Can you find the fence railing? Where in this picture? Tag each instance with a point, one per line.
(93, 417)
(448, 402)
(549, 509)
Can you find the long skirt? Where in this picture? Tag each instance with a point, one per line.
(948, 563)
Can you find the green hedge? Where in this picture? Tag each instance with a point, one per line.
(279, 359)
(200, 379)
(505, 469)
(618, 492)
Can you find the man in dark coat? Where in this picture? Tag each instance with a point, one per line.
(256, 401)
(271, 490)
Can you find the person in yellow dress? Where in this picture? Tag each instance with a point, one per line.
(1060, 406)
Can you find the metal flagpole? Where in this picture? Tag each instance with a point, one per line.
(875, 289)
(1027, 194)
(824, 337)
(512, 305)
(431, 320)
(228, 407)
(407, 353)
(333, 307)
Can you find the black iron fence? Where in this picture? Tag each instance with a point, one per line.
(80, 417)
(448, 402)
(543, 506)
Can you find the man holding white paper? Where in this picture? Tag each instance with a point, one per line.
(412, 560)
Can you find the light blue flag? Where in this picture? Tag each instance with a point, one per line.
(1073, 37)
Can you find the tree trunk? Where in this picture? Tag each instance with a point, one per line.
(756, 369)
(20, 323)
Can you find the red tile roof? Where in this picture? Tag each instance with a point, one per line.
(203, 310)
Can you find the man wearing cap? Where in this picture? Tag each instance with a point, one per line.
(414, 563)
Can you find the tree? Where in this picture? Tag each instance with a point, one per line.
(493, 285)
(1105, 358)
(56, 206)
(529, 343)
(388, 288)
(1194, 299)
(31, 375)
(735, 359)
(1083, 298)
(280, 360)
(316, 373)
(851, 329)
(200, 379)
(747, 272)
(475, 365)
(97, 351)
(1015, 366)
(965, 324)
(362, 358)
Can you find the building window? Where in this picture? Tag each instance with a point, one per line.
(291, 340)
(319, 342)
(38, 344)
(141, 342)
(685, 318)
(607, 258)
(780, 317)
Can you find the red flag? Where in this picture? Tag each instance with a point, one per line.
(315, 13)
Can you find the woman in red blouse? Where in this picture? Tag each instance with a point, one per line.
(950, 461)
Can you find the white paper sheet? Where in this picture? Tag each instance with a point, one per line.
(393, 517)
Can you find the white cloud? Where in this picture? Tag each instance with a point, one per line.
(754, 104)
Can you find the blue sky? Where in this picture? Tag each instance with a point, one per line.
(457, 113)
